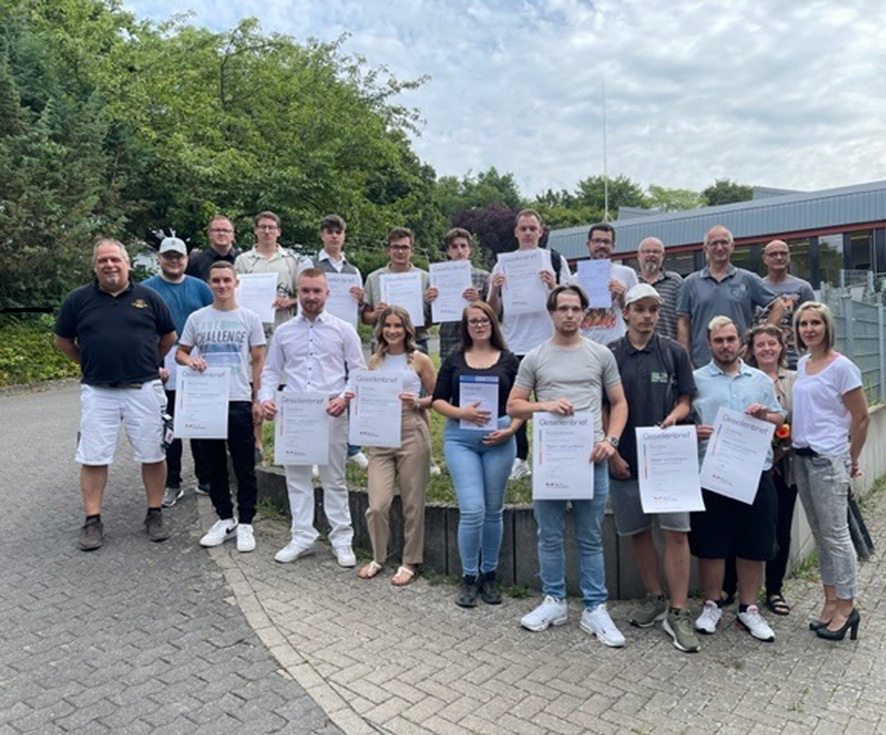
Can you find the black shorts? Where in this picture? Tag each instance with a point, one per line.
(730, 527)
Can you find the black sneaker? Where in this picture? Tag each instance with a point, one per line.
(467, 595)
(171, 496)
(92, 534)
(202, 487)
(489, 591)
(154, 525)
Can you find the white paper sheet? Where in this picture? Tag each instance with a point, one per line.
(736, 454)
(201, 403)
(404, 289)
(561, 456)
(301, 429)
(451, 279)
(524, 292)
(593, 276)
(341, 302)
(257, 292)
(667, 469)
(483, 388)
(375, 409)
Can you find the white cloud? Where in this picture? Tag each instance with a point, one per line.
(760, 91)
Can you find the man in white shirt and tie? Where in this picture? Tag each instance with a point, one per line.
(315, 352)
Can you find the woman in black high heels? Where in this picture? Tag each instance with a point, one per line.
(829, 430)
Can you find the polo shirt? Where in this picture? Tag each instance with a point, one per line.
(653, 378)
(714, 388)
(372, 293)
(668, 284)
(182, 298)
(201, 261)
(703, 297)
(117, 335)
(285, 264)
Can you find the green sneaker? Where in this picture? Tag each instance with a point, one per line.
(679, 626)
(651, 610)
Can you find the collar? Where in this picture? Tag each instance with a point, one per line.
(323, 255)
(322, 318)
(97, 287)
(730, 271)
(648, 348)
(743, 369)
(388, 268)
(255, 255)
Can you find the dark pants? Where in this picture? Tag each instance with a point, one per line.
(241, 445)
(174, 454)
(775, 569)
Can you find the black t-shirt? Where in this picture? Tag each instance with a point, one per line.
(117, 335)
(653, 378)
(200, 262)
(454, 366)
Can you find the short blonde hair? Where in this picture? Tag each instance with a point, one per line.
(718, 322)
(827, 317)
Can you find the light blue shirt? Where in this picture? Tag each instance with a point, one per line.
(715, 388)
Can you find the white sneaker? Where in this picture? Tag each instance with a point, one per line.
(710, 616)
(434, 469)
(345, 557)
(245, 538)
(293, 550)
(220, 532)
(596, 621)
(315, 472)
(754, 623)
(359, 459)
(519, 469)
(551, 612)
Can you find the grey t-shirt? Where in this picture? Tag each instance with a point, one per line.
(579, 373)
(223, 339)
(793, 291)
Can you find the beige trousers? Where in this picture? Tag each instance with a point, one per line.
(409, 464)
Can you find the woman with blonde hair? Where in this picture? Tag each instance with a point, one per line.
(409, 464)
(829, 430)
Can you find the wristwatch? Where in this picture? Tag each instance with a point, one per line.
(613, 440)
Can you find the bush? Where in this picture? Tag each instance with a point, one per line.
(28, 354)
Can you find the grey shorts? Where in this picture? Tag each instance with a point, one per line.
(629, 516)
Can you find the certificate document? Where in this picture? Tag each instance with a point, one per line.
(375, 409)
(404, 289)
(301, 430)
(523, 291)
(735, 456)
(451, 279)
(201, 404)
(561, 456)
(257, 292)
(593, 277)
(483, 388)
(340, 302)
(667, 469)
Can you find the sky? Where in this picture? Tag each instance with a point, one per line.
(780, 93)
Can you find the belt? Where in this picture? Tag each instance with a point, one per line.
(805, 452)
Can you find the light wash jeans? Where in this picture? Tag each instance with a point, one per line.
(479, 473)
(823, 483)
(587, 520)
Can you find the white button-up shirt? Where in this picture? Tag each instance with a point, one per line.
(312, 356)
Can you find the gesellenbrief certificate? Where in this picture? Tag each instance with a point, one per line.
(561, 456)
(341, 302)
(483, 388)
(201, 403)
(736, 454)
(593, 276)
(375, 409)
(257, 292)
(404, 289)
(524, 292)
(667, 469)
(450, 279)
(301, 429)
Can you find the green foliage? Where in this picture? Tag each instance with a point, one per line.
(28, 354)
(671, 200)
(470, 192)
(725, 191)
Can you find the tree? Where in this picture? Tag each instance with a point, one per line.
(493, 226)
(725, 191)
(488, 187)
(672, 200)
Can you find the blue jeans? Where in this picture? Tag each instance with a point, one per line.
(479, 473)
(587, 519)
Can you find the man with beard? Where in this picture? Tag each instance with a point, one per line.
(651, 253)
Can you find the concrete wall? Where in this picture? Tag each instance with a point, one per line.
(519, 562)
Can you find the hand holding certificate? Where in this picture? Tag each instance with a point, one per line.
(450, 279)
(257, 292)
(593, 277)
(201, 404)
(561, 456)
(524, 292)
(375, 409)
(301, 429)
(667, 469)
(736, 455)
(341, 301)
(482, 390)
(404, 289)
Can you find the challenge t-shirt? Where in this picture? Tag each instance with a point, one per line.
(224, 339)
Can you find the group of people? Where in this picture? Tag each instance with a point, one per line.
(630, 365)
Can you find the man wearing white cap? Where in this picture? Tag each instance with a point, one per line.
(183, 295)
(658, 383)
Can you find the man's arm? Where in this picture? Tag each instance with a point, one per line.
(68, 347)
(165, 343)
(684, 325)
(776, 311)
(520, 407)
(257, 353)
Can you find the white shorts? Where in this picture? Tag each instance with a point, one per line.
(102, 409)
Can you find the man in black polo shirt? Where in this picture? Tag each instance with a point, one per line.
(221, 247)
(118, 332)
(658, 383)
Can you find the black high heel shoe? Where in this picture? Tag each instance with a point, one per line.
(815, 625)
(851, 625)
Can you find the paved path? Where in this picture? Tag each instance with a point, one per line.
(164, 643)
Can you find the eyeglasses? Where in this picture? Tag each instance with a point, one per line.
(478, 322)
(221, 229)
(777, 254)
(718, 243)
(601, 241)
(267, 228)
(400, 247)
